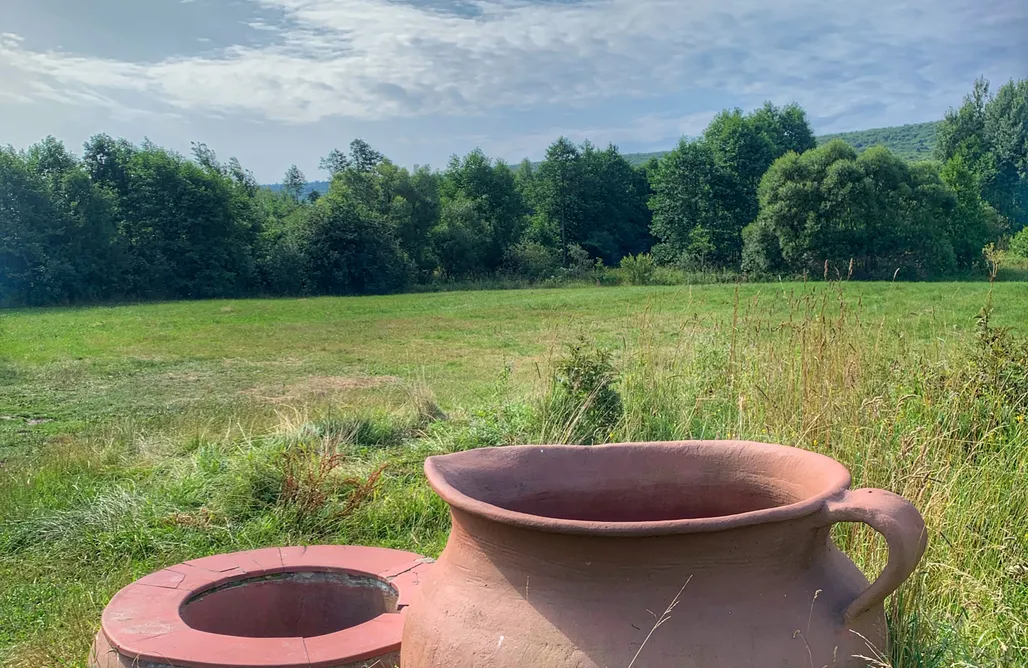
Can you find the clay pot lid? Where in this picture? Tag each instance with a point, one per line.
(144, 621)
(487, 482)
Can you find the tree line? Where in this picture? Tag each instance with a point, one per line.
(753, 194)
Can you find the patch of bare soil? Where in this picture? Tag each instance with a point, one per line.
(185, 377)
(317, 386)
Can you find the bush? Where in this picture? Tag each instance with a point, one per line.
(532, 260)
(606, 276)
(461, 239)
(282, 262)
(872, 212)
(670, 276)
(638, 269)
(584, 406)
(352, 251)
(761, 250)
(580, 265)
(1019, 244)
(999, 365)
(665, 255)
(700, 250)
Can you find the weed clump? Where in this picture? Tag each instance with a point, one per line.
(993, 392)
(583, 404)
(314, 492)
(1000, 363)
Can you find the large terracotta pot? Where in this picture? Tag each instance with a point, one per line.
(568, 555)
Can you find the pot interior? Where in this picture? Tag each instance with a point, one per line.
(299, 604)
(636, 482)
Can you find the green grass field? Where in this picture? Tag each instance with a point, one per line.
(134, 437)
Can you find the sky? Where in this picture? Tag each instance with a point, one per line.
(277, 82)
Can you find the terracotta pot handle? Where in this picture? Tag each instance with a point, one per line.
(903, 527)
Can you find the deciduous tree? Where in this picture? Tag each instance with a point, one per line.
(294, 183)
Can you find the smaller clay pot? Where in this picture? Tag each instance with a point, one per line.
(331, 606)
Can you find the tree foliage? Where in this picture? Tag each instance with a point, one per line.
(1019, 244)
(483, 215)
(352, 250)
(989, 134)
(705, 191)
(871, 215)
(595, 199)
(294, 183)
(753, 193)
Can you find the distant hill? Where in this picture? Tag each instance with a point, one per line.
(912, 142)
(634, 159)
(915, 141)
(320, 186)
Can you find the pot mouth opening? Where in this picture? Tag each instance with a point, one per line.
(293, 604)
(637, 488)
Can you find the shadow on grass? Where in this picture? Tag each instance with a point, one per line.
(8, 372)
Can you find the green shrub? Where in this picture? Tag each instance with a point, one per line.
(700, 250)
(669, 276)
(579, 262)
(1019, 244)
(638, 269)
(352, 251)
(761, 250)
(282, 261)
(608, 277)
(584, 405)
(996, 385)
(532, 260)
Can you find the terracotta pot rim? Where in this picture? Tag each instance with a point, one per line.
(144, 620)
(836, 480)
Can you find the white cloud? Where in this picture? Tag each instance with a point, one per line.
(373, 59)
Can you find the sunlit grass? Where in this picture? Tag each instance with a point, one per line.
(169, 429)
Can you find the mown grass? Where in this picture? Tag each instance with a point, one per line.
(177, 430)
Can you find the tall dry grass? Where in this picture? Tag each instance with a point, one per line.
(939, 419)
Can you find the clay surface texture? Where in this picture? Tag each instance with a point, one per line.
(320, 606)
(570, 555)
